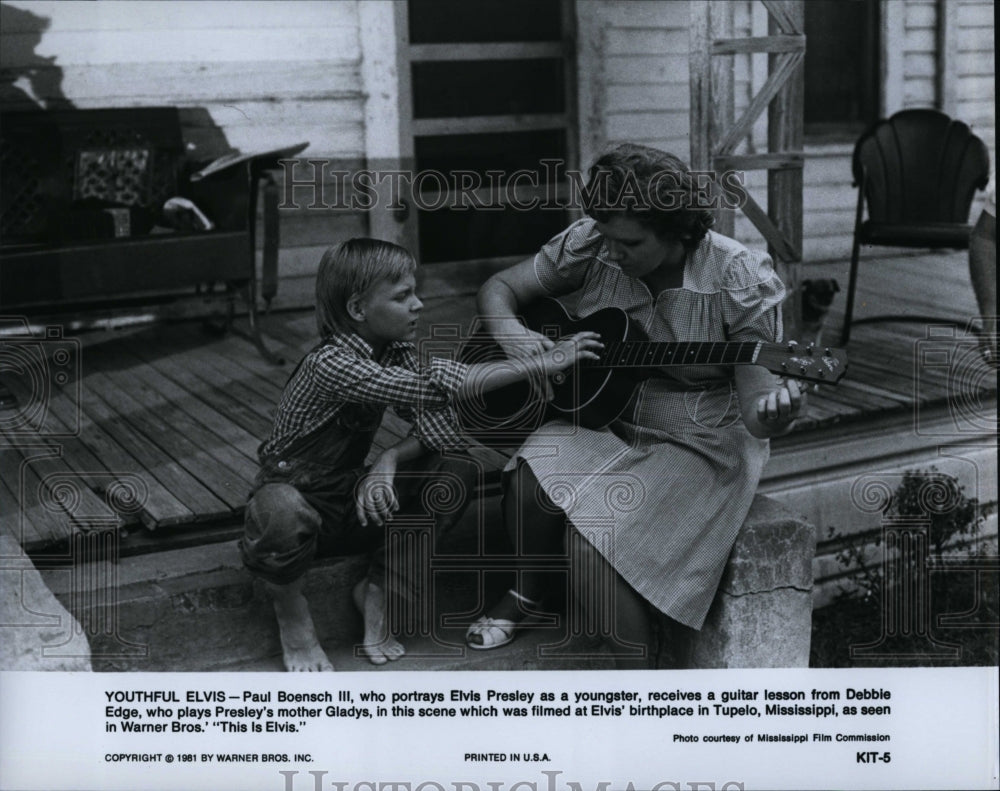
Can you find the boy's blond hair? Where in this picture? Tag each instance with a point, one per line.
(350, 268)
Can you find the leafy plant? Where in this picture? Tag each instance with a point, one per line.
(931, 496)
(953, 522)
(942, 498)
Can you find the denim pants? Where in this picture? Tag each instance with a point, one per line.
(303, 508)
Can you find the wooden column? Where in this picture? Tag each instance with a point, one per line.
(700, 66)
(785, 125)
(712, 98)
(946, 73)
(892, 53)
(716, 133)
(385, 79)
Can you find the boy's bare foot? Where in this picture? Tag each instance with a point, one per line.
(378, 645)
(300, 646)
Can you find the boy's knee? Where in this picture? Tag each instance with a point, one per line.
(280, 533)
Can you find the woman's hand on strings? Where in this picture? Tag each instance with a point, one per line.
(571, 350)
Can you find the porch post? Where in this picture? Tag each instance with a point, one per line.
(946, 73)
(716, 136)
(785, 132)
(386, 85)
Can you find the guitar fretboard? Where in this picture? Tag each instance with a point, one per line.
(640, 354)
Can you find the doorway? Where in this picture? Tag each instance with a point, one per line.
(487, 95)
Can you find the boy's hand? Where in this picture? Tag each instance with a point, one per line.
(375, 496)
(522, 343)
(571, 349)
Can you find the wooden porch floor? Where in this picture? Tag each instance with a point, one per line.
(159, 433)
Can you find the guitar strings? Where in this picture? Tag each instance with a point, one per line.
(635, 354)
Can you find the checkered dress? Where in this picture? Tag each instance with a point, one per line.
(663, 491)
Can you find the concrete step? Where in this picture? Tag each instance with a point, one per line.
(198, 609)
(36, 631)
(528, 651)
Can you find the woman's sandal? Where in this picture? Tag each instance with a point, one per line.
(486, 632)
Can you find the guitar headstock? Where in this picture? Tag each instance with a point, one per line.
(818, 364)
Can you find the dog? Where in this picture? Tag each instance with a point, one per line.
(817, 297)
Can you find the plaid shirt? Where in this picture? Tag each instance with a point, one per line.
(343, 371)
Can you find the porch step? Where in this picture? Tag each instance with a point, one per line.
(197, 609)
(527, 652)
(36, 631)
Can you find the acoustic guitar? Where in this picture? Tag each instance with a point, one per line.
(595, 392)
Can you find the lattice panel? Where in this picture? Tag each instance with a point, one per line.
(121, 166)
(22, 199)
(115, 175)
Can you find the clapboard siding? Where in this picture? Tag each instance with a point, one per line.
(828, 195)
(979, 38)
(920, 65)
(647, 96)
(643, 13)
(169, 45)
(291, 63)
(634, 40)
(648, 69)
(976, 73)
(200, 81)
(976, 63)
(260, 75)
(632, 92)
(271, 73)
(976, 69)
(153, 14)
(633, 75)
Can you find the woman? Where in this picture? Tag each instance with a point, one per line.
(660, 494)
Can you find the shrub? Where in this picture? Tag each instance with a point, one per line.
(927, 495)
(953, 521)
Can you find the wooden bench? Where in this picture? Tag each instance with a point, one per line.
(84, 228)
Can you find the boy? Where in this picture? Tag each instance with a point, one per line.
(312, 491)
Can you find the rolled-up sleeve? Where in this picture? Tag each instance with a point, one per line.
(438, 429)
(435, 425)
(446, 374)
(350, 378)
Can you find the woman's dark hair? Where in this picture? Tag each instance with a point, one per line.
(651, 186)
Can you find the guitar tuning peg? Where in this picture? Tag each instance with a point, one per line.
(791, 346)
(810, 348)
(826, 351)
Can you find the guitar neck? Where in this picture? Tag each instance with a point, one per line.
(646, 354)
